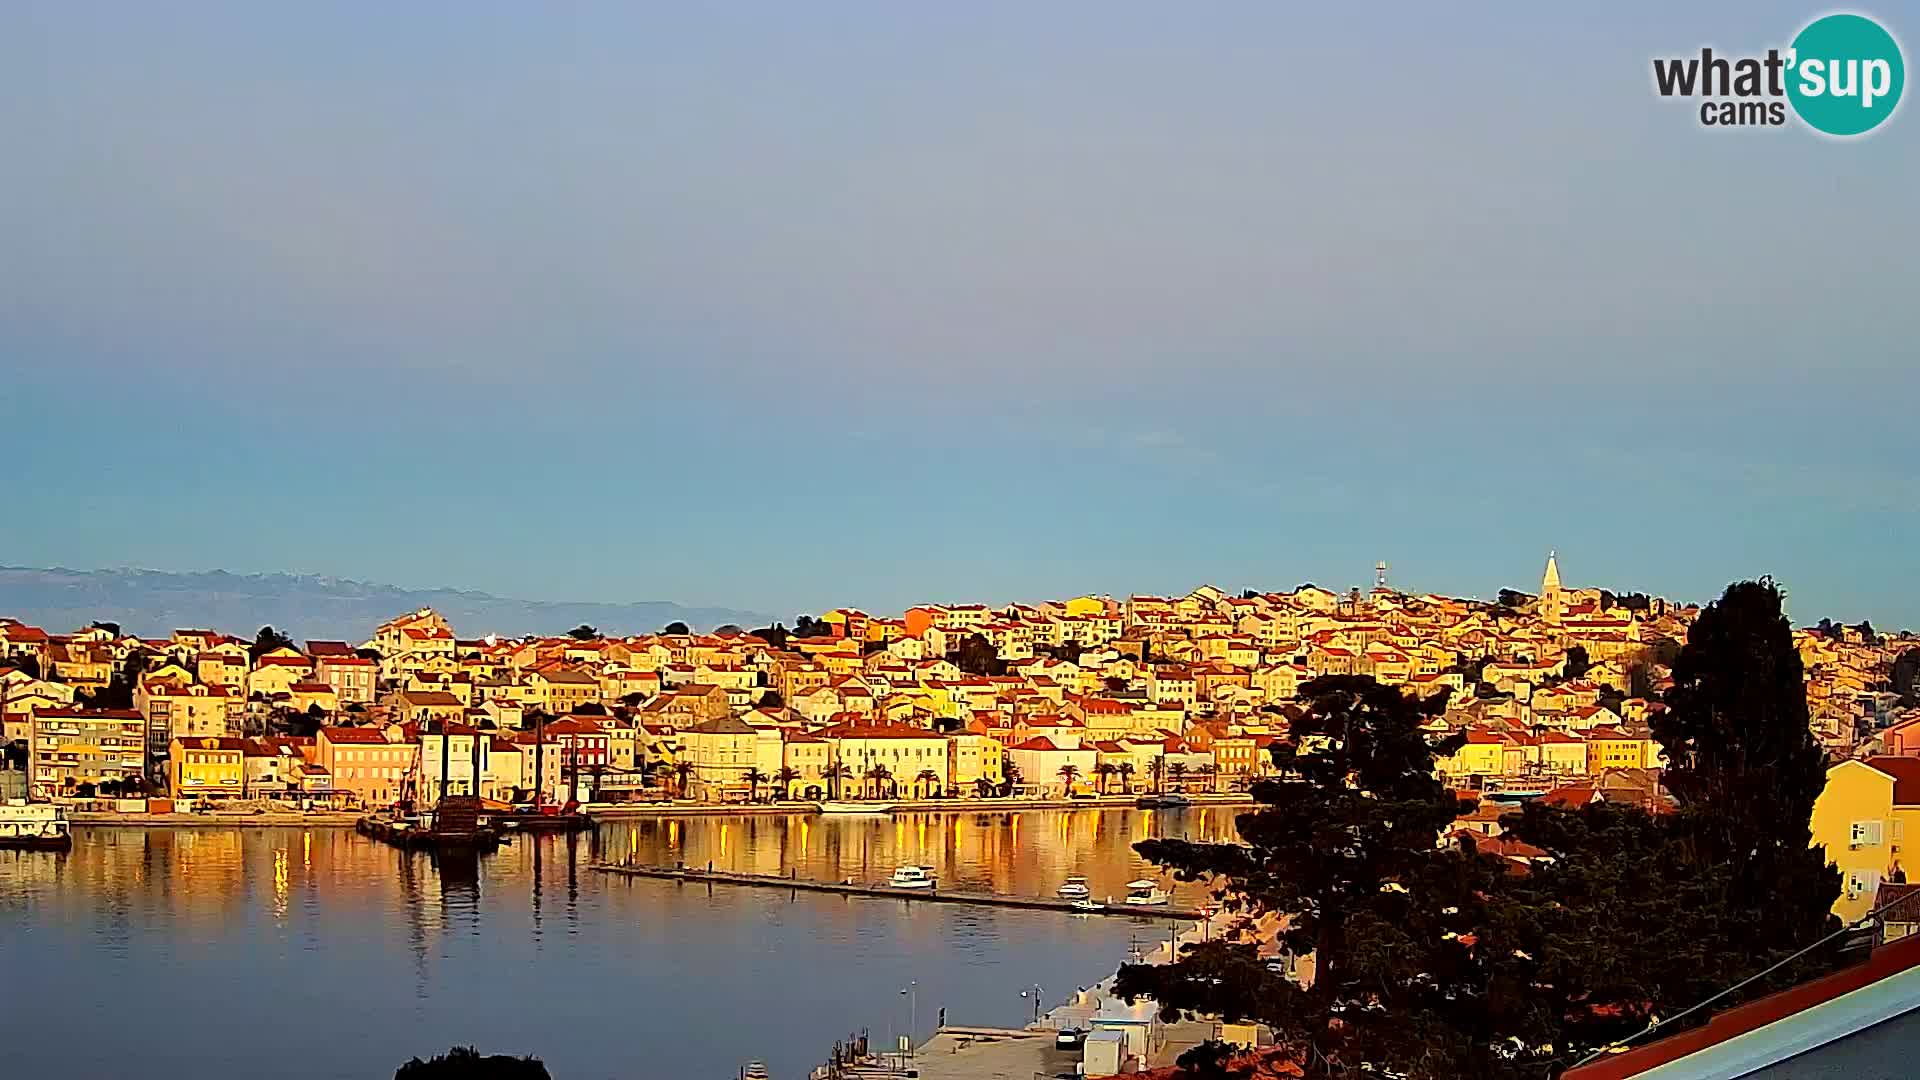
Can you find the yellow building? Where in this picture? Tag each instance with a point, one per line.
(1611, 748)
(71, 747)
(1483, 755)
(973, 757)
(1861, 818)
(207, 768)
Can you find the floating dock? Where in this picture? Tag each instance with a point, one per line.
(695, 875)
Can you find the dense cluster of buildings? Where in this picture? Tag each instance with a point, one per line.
(1090, 694)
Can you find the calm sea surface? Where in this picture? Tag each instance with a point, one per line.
(170, 954)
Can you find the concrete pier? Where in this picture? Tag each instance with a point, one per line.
(696, 875)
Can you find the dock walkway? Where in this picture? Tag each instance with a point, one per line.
(696, 875)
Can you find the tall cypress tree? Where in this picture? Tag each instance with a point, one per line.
(1745, 767)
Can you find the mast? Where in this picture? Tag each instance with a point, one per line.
(539, 745)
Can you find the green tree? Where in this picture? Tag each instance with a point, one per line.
(1342, 842)
(785, 776)
(775, 635)
(1125, 771)
(1577, 662)
(583, 632)
(754, 778)
(110, 627)
(1906, 676)
(1745, 767)
(682, 778)
(835, 773)
(1068, 774)
(1101, 774)
(466, 1063)
(1177, 772)
(772, 700)
(676, 628)
(267, 640)
(880, 779)
(929, 783)
(977, 656)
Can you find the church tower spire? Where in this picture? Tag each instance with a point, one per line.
(1550, 590)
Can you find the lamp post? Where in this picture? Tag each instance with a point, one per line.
(1036, 994)
(912, 992)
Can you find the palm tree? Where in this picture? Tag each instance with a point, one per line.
(1177, 772)
(879, 775)
(983, 787)
(835, 773)
(754, 779)
(1125, 770)
(929, 782)
(785, 776)
(1068, 774)
(1012, 774)
(1211, 773)
(1158, 768)
(1101, 773)
(682, 777)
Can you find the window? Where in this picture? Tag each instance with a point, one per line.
(1865, 833)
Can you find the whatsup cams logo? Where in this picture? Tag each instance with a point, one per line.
(1842, 75)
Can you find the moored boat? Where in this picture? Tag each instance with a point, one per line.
(34, 827)
(1075, 888)
(912, 877)
(1145, 893)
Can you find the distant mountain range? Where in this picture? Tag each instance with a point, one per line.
(154, 602)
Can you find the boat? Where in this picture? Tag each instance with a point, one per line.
(1169, 801)
(1145, 893)
(1087, 904)
(34, 827)
(833, 807)
(912, 877)
(1075, 888)
(754, 1070)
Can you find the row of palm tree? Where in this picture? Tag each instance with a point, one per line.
(880, 780)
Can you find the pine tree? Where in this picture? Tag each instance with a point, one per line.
(1344, 845)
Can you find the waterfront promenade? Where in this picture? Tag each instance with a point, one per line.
(621, 812)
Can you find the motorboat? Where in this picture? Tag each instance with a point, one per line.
(1088, 906)
(34, 826)
(1075, 888)
(912, 877)
(1145, 893)
(1171, 800)
(835, 807)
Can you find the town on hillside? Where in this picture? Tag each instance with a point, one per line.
(1085, 696)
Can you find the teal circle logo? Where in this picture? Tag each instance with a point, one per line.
(1845, 75)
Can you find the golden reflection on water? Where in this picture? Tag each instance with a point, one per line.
(1004, 852)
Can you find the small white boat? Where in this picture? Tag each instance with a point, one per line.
(1146, 894)
(1074, 889)
(755, 1070)
(912, 877)
(856, 808)
(1088, 904)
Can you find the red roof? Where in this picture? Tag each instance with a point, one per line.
(361, 735)
(1906, 777)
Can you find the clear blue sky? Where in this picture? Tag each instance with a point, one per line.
(784, 306)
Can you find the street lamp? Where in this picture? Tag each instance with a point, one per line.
(912, 993)
(1036, 993)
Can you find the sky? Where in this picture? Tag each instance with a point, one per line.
(784, 306)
